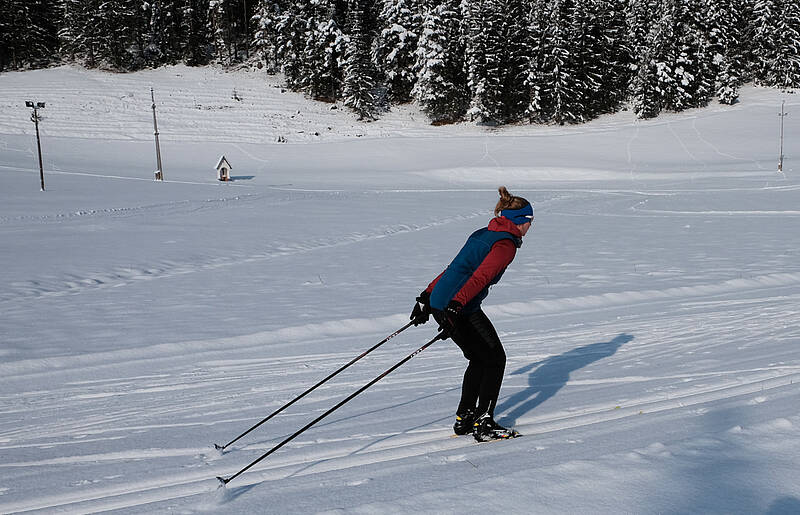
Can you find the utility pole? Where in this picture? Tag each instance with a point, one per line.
(35, 119)
(783, 115)
(159, 171)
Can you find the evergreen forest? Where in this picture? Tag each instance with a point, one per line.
(492, 62)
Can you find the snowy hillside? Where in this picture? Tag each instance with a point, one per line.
(651, 319)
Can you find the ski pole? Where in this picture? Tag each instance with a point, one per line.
(223, 447)
(440, 336)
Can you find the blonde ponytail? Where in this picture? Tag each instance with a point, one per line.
(508, 201)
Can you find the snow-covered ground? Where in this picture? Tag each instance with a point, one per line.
(651, 319)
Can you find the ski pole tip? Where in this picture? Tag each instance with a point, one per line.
(222, 482)
(219, 447)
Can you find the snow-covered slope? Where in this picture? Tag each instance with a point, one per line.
(650, 319)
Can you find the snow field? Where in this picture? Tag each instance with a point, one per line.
(650, 318)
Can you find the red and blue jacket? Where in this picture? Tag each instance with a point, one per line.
(479, 265)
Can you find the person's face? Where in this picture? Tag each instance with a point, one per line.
(523, 229)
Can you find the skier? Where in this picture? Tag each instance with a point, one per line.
(454, 299)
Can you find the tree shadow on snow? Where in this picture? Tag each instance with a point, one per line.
(552, 374)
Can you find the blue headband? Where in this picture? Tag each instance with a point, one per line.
(519, 216)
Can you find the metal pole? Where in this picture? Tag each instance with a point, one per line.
(782, 115)
(159, 170)
(38, 145)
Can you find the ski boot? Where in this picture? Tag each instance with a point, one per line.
(485, 429)
(464, 422)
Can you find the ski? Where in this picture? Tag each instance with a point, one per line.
(507, 434)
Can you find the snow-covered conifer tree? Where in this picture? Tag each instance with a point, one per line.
(220, 30)
(442, 90)
(124, 28)
(161, 41)
(777, 43)
(725, 32)
(497, 57)
(395, 47)
(106, 33)
(674, 64)
(643, 86)
(291, 26)
(28, 34)
(324, 52)
(693, 70)
(611, 57)
(194, 40)
(265, 36)
(75, 40)
(480, 32)
(562, 76)
(358, 71)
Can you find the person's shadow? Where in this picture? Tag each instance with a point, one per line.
(552, 374)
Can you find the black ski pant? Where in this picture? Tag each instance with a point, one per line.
(476, 337)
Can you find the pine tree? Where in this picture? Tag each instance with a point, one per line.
(291, 40)
(662, 52)
(396, 46)
(701, 56)
(76, 40)
(513, 45)
(563, 78)
(643, 86)
(589, 60)
(480, 34)
(777, 43)
(103, 33)
(613, 58)
(324, 53)
(220, 29)
(442, 90)
(123, 27)
(786, 64)
(265, 37)
(358, 70)
(28, 34)
(497, 56)
(537, 25)
(725, 32)
(164, 27)
(674, 69)
(194, 40)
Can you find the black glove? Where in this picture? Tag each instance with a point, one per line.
(422, 309)
(447, 322)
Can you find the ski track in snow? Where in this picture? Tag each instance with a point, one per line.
(72, 285)
(402, 446)
(629, 372)
(138, 493)
(88, 422)
(347, 327)
(94, 416)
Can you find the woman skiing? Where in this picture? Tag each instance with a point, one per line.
(454, 299)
